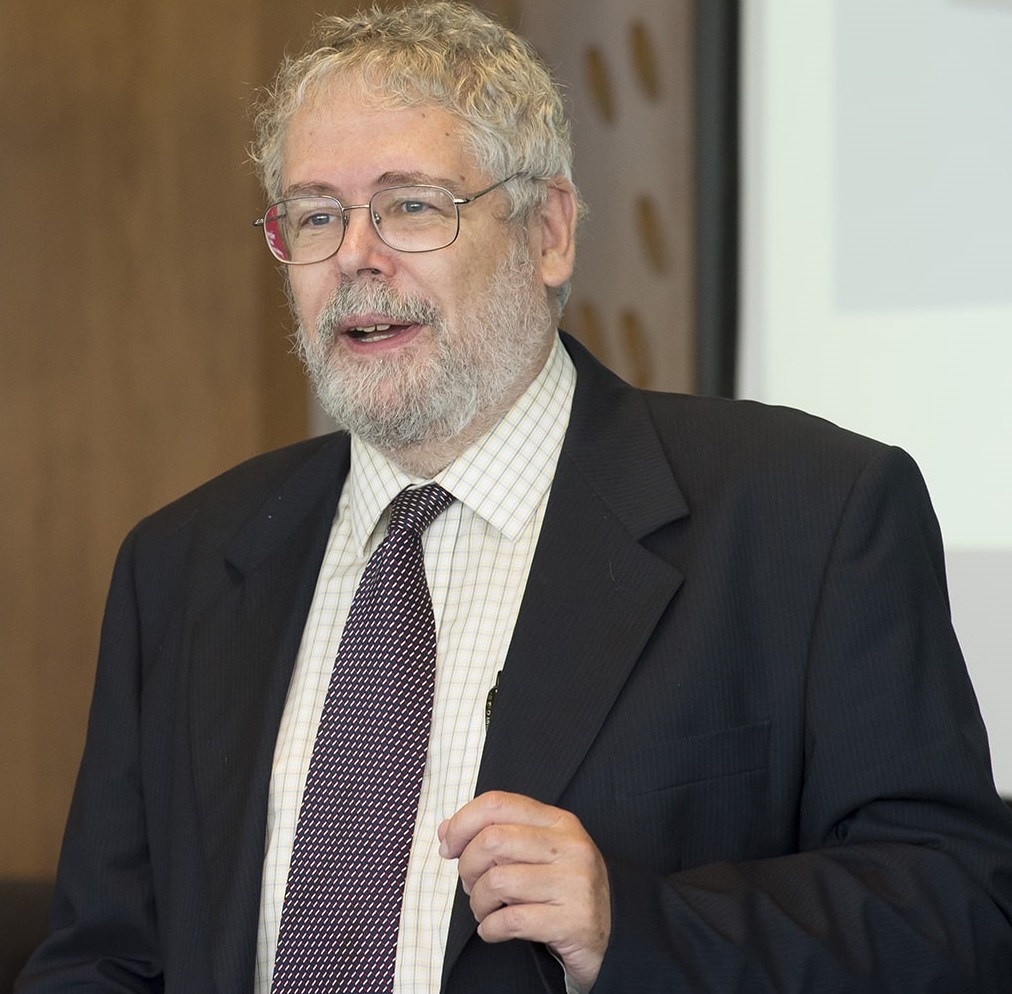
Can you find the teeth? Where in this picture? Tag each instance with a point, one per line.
(372, 329)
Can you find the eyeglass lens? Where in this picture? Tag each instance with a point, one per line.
(407, 218)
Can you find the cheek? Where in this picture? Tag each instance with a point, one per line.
(308, 292)
(463, 290)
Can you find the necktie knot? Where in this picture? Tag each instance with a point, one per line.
(416, 508)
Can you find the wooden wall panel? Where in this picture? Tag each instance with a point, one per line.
(630, 71)
(136, 328)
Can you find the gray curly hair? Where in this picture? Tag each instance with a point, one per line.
(439, 53)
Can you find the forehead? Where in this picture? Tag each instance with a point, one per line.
(342, 133)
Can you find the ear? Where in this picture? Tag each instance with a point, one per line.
(554, 233)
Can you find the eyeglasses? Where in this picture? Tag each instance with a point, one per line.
(303, 230)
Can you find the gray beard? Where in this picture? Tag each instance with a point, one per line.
(399, 402)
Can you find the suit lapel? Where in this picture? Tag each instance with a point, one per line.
(592, 601)
(243, 648)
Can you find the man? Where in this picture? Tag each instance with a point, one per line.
(699, 719)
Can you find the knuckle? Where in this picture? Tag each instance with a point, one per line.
(477, 908)
(497, 881)
(496, 799)
(494, 838)
(511, 919)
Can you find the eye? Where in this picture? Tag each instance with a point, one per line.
(413, 203)
(317, 219)
(413, 207)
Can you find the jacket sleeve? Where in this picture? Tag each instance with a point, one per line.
(103, 931)
(903, 878)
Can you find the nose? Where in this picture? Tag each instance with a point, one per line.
(362, 250)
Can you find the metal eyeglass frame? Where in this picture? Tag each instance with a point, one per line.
(458, 202)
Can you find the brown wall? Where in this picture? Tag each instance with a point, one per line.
(142, 337)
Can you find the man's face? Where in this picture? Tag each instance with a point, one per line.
(407, 348)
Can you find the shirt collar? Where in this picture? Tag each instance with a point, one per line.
(502, 477)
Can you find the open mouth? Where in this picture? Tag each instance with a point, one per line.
(376, 332)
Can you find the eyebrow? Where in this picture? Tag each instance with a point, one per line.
(308, 190)
(416, 179)
(387, 179)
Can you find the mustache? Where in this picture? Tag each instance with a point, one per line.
(358, 298)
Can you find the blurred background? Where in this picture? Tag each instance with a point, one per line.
(777, 190)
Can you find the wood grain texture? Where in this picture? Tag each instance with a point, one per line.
(141, 331)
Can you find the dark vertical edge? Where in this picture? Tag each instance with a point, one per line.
(717, 167)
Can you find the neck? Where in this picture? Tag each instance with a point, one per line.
(425, 459)
(428, 458)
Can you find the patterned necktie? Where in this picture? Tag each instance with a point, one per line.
(342, 902)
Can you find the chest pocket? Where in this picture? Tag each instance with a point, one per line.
(678, 802)
(668, 764)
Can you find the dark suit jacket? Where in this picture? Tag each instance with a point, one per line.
(733, 662)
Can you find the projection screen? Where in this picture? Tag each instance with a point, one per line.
(877, 264)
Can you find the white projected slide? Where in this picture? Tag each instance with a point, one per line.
(877, 264)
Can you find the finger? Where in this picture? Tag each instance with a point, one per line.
(578, 879)
(545, 923)
(491, 808)
(533, 922)
(502, 844)
(580, 943)
(520, 883)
